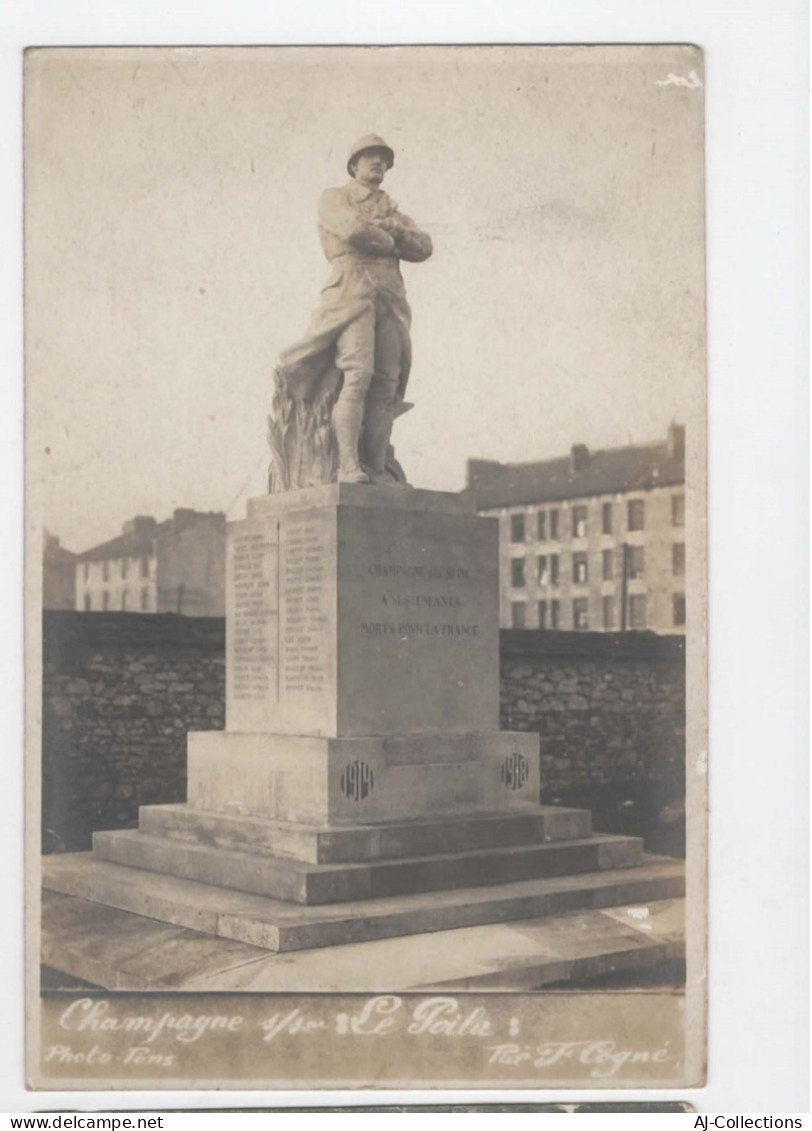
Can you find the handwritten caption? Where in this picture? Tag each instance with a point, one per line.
(157, 1038)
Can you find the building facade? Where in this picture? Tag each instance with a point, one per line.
(173, 566)
(190, 564)
(594, 541)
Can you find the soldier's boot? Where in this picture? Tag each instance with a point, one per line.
(348, 416)
(378, 422)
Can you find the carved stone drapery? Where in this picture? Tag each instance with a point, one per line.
(304, 451)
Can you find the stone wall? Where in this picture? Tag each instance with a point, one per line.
(610, 712)
(121, 690)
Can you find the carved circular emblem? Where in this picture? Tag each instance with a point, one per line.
(515, 771)
(357, 781)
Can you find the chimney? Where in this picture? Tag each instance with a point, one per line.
(183, 518)
(579, 457)
(676, 441)
(141, 527)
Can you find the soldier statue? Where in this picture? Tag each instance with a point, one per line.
(339, 389)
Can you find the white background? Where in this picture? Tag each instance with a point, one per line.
(756, 76)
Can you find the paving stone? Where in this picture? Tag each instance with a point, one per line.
(122, 951)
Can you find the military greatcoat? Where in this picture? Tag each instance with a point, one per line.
(365, 263)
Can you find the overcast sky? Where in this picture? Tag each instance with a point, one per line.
(172, 252)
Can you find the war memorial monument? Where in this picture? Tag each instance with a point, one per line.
(362, 788)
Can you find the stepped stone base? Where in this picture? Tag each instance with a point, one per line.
(121, 951)
(299, 882)
(331, 844)
(118, 950)
(278, 926)
(282, 886)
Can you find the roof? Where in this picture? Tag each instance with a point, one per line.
(607, 472)
(53, 552)
(125, 546)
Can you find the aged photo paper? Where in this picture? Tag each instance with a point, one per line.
(366, 543)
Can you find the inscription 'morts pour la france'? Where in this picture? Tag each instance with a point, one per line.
(304, 623)
(427, 600)
(252, 623)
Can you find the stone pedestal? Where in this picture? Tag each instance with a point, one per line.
(362, 663)
(358, 611)
(361, 788)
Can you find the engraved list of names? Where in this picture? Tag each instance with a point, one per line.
(305, 647)
(253, 618)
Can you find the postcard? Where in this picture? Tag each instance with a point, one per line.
(366, 559)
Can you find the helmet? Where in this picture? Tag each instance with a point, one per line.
(370, 141)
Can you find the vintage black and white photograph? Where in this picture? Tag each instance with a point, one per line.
(366, 592)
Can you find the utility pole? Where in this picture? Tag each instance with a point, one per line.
(624, 584)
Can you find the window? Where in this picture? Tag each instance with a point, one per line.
(679, 608)
(636, 514)
(517, 614)
(607, 565)
(677, 510)
(124, 601)
(678, 559)
(145, 565)
(637, 610)
(555, 562)
(105, 600)
(88, 605)
(635, 562)
(579, 569)
(123, 567)
(608, 612)
(579, 522)
(544, 575)
(554, 614)
(517, 528)
(606, 518)
(580, 613)
(517, 572)
(554, 525)
(542, 614)
(105, 571)
(144, 600)
(541, 532)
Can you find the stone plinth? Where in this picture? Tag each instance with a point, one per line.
(362, 664)
(358, 611)
(327, 780)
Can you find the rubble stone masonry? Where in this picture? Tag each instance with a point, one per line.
(121, 691)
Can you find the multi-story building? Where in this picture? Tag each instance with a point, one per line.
(594, 540)
(120, 574)
(190, 564)
(174, 566)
